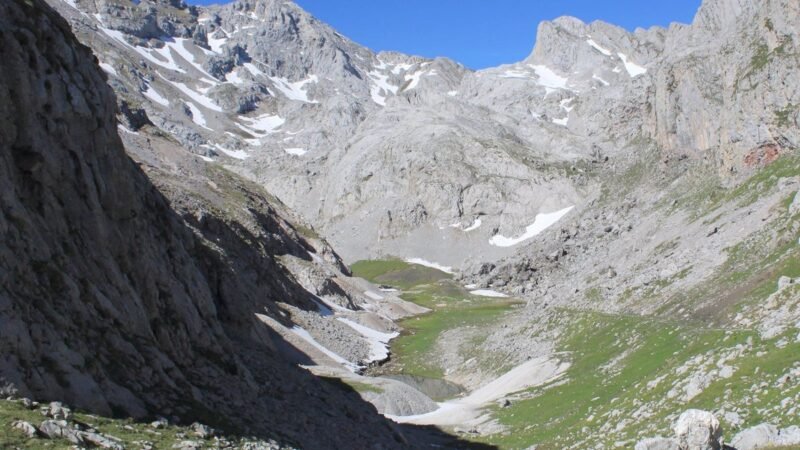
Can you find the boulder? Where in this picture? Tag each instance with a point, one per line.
(697, 430)
(59, 429)
(26, 428)
(57, 411)
(765, 435)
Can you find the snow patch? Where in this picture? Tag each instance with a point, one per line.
(604, 82)
(147, 53)
(295, 90)
(432, 265)
(204, 101)
(475, 225)
(488, 293)
(153, 95)
(262, 125)
(238, 154)
(197, 115)
(598, 47)
(108, 69)
(306, 336)
(296, 151)
(548, 78)
(541, 223)
(127, 130)
(216, 43)
(379, 349)
(563, 122)
(633, 69)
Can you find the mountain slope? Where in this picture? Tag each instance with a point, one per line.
(121, 302)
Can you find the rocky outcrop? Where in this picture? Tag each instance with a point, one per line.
(694, 430)
(765, 436)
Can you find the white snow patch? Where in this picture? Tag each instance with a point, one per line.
(564, 104)
(604, 82)
(252, 68)
(415, 77)
(296, 151)
(306, 336)
(401, 68)
(294, 90)
(127, 130)
(262, 125)
(515, 73)
(108, 68)
(379, 350)
(488, 293)
(598, 47)
(238, 154)
(548, 78)
(563, 122)
(179, 45)
(147, 53)
(432, 265)
(153, 95)
(541, 223)
(381, 87)
(197, 115)
(216, 43)
(633, 69)
(234, 78)
(475, 225)
(452, 93)
(196, 96)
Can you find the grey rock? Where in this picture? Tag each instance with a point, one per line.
(57, 411)
(765, 436)
(657, 443)
(60, 429)
(101, 441)
(188, 445)
(202, 431)
(26, 428)
(697, 430)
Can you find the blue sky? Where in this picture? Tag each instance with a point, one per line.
(477, 33)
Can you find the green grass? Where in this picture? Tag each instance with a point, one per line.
(397, 273)
(126, 430)
(614, 358)
(414, 352)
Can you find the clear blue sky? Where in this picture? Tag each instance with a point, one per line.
(477, 33)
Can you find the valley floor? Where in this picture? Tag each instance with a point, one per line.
(616, 378)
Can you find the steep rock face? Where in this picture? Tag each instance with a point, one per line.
(112, 301)
(721, 90)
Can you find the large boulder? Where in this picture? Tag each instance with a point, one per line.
(764, 436)
(697, 430)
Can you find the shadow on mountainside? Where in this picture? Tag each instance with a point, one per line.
(116, 304)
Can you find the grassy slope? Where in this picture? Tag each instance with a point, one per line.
(130, 433)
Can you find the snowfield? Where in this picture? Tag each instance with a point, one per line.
(541, 223)
(432, 265)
